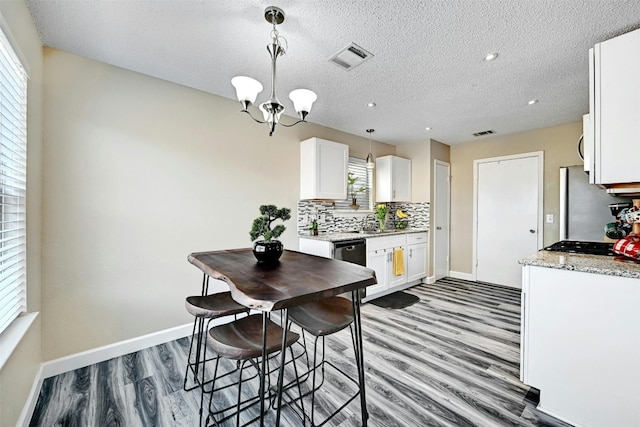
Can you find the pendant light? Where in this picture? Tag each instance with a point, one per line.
(371, 163)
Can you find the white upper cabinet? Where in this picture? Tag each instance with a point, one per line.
(393, 179)
(323, 169)
(615, 109)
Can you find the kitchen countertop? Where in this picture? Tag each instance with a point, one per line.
(597, 264)
(337, 237)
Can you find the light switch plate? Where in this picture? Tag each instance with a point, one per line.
(549, 219)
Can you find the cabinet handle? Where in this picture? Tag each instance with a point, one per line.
(411, 253)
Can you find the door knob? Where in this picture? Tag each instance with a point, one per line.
(438, 228)
(532, 231)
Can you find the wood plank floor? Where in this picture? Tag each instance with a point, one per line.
(451, 359)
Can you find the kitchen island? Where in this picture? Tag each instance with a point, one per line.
(580, 337)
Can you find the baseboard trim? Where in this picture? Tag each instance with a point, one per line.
(463, 276)
(430, 280)
(25, 416)
(100, 354)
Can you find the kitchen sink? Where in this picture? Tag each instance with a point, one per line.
(369, 232)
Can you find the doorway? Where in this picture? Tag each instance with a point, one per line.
(441, 218)
(507, 214)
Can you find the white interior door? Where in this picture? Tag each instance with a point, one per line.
(441, 218)
(508, 216)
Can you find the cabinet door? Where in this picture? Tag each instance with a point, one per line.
(377, 260)
(383, 179)
(393, 179)
(417, 262)
(617, 108)
(323, 169)
(401, 172)
(402, 278)
(315, 247)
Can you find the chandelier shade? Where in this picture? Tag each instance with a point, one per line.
(247, 89)
(303, 100)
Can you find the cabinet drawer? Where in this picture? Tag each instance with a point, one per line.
(377, 243)
(416, 238)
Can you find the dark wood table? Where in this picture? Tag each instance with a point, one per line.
(295, 280)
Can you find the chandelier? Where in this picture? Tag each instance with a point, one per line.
(247, 89)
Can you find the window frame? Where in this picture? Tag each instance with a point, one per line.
(358, 167)
(13, 184)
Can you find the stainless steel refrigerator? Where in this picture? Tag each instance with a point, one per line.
(584, 207)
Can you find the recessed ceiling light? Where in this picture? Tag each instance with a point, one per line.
(427, 128)
(490, 56)
(371, 104)
(533, 101)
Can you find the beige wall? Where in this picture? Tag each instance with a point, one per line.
(138, 173)
(559, 146)
(17, 375)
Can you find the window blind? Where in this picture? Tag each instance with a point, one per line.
(358, 168)
(13, 184)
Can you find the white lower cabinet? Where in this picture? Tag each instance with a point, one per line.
(580, 345)
(378, 260)
(380, 254)
(416, 256)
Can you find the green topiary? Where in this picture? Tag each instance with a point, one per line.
(262, 225)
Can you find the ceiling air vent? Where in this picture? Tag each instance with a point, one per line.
(484, 132)
(350, 57)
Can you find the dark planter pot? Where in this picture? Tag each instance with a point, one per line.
(268, 252)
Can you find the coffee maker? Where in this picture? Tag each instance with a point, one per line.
(620, 228)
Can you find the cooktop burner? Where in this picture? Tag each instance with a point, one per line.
(578, 247)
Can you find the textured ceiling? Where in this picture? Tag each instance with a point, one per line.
(428, 68)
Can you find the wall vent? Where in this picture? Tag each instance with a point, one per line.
(484, 132)
(350, 57)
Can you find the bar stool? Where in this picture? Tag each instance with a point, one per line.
(206, 308)
(242, 340)
(322, 318)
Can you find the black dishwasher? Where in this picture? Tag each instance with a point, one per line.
(354, 251)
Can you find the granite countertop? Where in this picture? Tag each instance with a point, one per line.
(337, 237)
(597, 264)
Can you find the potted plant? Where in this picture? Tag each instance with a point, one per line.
(313, 228)
(269, 249)
(353, 191)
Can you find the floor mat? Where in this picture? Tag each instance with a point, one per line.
(396, 300)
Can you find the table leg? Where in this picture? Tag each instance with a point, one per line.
(205, 285)
(263, 369)
(360, 355)
(283, 352)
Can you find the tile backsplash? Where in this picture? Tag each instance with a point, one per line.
(332, 221)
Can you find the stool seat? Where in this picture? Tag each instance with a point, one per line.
(205, 308)
(324, 317)
(242, 338)
(213, 305)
